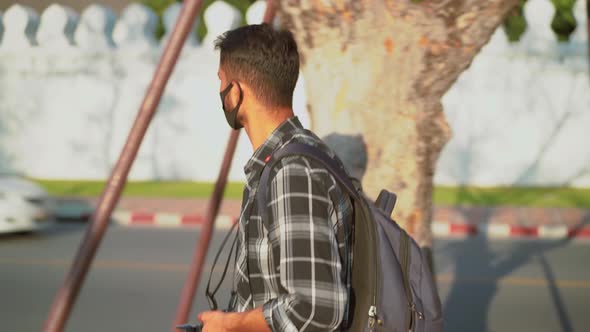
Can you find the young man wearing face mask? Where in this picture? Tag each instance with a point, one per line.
(291, 275)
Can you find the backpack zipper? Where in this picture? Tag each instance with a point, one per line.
(405, 262)
(372, 234)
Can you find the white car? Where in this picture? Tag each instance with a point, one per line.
(24, 205)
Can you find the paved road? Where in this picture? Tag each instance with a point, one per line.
(137, 277)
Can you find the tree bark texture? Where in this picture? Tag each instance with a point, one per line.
(378, 69)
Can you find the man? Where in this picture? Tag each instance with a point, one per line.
(290, 278)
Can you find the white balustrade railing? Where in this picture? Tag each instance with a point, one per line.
(70, 87)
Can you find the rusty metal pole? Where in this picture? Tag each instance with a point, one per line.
(200, 253)
(271, 11)
(67, 294)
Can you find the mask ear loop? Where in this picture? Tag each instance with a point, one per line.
(234, 112)
(226, 90)
(241, 97)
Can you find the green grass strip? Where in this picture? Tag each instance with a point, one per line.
(564, 197)
(466, 196)
(165, 189)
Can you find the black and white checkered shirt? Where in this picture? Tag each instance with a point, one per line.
(294, 267)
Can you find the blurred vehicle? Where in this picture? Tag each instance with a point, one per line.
(24, 205)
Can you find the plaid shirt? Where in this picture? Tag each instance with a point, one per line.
(294, 267)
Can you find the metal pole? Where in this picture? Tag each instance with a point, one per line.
(67, 294)
(271, 11)
(200, 253)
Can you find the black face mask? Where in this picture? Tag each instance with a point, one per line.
(232, 116)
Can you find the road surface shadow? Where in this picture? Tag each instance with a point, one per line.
(469, 300)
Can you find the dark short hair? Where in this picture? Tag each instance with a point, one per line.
(264, 58)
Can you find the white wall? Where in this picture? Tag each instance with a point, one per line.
(521, 113)
(70, 87)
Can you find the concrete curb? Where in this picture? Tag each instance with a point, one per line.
(507, 231)
(128, 218)
(440, 229)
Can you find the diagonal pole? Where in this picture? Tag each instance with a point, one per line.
(196, 268)
(67, 294)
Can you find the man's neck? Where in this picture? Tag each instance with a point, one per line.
(266, 121)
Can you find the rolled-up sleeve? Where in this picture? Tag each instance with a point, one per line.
(305, 250)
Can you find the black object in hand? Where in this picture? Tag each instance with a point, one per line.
(190, 328)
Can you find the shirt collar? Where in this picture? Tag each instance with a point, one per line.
(273, 141)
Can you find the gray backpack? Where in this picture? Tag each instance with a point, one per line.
(392, 286)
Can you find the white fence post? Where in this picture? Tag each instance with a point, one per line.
(57, 27)
(95, 29)
(220, 17)
(136, 28)
(20, 24)
(539, 38)
(255, 14)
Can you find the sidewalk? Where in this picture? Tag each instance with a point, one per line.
(495, 222)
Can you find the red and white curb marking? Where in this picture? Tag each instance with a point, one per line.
(445, 229)
(505, 231)
(127, 218)
(439, 228)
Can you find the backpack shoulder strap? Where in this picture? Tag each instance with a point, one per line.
(340, 175)
(301, 149)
